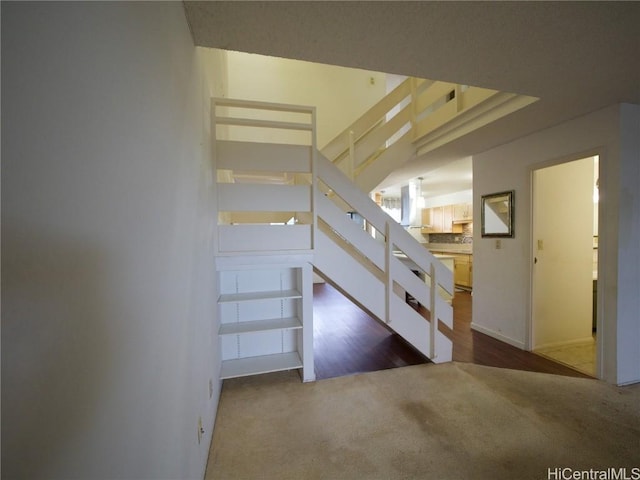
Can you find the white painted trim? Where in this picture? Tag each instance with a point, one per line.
(272, 157)
(602, 222)
(254, 238)
(247, 197)
(497, 336)
(629, 382)
(281, 107)
(249, 262)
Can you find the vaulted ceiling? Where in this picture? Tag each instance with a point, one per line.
(576, 57)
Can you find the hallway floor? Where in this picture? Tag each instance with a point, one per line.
(347, 341)
(581, 356)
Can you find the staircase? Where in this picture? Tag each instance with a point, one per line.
(285, 208)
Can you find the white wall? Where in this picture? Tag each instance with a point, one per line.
(464, 196)
(502, 282)
(628, 281)
(108, 307)
(340, 94)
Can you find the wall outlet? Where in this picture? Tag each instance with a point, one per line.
(210, 388)
(200, 430)
(498, 244)
(540, 245)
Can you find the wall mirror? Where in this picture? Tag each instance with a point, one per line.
(497, 214)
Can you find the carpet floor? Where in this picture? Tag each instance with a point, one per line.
(449, 421)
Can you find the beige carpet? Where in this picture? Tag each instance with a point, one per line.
(450, 421)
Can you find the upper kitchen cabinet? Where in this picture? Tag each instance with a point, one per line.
(447, 219)
(438, 220)
(427, 224)
(463, 212)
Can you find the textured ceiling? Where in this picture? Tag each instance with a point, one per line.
(576, 56)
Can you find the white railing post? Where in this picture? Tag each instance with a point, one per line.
(351, 165)
(314, 179)
(433, 319)
(414, 103)
(458, 94)
(388, 281)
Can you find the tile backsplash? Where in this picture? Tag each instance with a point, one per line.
(465, 237)
(445, 237)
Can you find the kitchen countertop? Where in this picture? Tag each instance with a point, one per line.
(443, 255)
(450, 248)
(401, 256)
(446, 259)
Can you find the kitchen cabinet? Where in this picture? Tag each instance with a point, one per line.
(462, 267)
(426, 221)
(447, 219)
(463, 270)
(463, 212)
(438, 220)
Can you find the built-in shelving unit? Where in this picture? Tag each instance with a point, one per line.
(265, 317)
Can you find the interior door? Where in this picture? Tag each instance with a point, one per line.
(563, 254)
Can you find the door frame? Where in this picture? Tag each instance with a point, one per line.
(601, 325)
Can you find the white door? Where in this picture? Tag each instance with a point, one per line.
(563, 254)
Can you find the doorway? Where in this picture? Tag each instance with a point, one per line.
(564, 283)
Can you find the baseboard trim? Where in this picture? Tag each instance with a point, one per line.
(497, 336)
(628, 382)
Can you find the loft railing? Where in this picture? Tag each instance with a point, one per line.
(417, 116)
(264, 158)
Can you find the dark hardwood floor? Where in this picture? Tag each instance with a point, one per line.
(471, 346)
(348, 341)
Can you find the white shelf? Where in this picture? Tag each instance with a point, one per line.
(260, 326)
(251, 296)
(243, 367)
(272, 314)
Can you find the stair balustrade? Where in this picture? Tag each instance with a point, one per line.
(279, 197)
(416, 117)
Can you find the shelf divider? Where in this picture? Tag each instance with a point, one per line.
(251, 296)
(251, 326)
(243, 367)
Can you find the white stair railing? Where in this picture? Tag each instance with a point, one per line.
(377, 271)
(261, 149)
(417, 116)
(346, 252)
